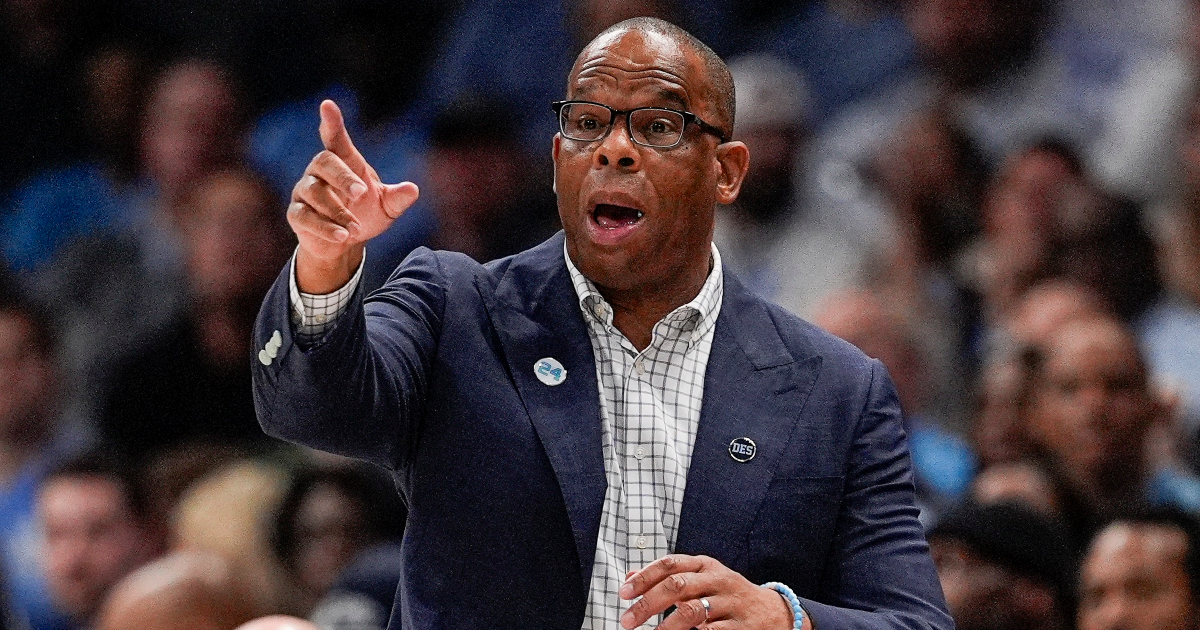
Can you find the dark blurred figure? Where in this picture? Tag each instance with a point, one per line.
(41, 42)
(1003, 567)
(363, 597)
(182, 591)
(193, 384)
(33, 438)
(770, 237)
(483, 203)
(96, 530)
(1142, 573)
(95, 193)
(1091, 415)
(943, 464)
(116, 289)
(326, 518)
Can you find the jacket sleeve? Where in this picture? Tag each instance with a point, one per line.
(360, 390)
(880, 574)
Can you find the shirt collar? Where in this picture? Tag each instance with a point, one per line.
(698, 316)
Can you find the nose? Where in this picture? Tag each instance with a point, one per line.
(618, 147)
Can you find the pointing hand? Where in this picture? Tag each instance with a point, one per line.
(338, 205)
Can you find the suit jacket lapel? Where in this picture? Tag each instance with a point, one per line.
(753, 388)
(536, 314)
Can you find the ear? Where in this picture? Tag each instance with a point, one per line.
(733, 159)
(555, 147)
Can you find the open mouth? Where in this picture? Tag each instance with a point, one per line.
(612, 217)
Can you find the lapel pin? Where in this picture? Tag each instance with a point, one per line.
(742, 449)
(550, 371)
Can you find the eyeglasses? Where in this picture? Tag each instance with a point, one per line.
(657, 127)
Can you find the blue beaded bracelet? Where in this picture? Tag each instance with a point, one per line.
(793, 601)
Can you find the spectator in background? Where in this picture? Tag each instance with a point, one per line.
(998, 432)
(781, 250)
(1142, 573)
(483, 202)
(1091, 412)
(326, 518)
(132, 273)
(96, 193)
(943, 464)
(96, 528)
(33, 438)
(182, 591)
(1170, 330)
(229, 513)
(1003, 567)
(193, 385)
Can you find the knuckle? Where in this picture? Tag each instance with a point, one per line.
(677, 584)
(691, 609)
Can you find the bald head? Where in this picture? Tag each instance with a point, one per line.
(719, 91)
(279, 622)
(183, 591)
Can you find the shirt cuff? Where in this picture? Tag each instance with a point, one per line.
(314, 315)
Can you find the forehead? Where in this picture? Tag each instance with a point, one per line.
(635, 65)
(1123, 548)
(1093, 345)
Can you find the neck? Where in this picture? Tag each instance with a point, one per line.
(636, 311)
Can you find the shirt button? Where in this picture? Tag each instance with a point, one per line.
(639, 453)
(641, 542)
(640, 365)
(321, 319)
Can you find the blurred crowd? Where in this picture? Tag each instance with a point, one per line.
(998, 199)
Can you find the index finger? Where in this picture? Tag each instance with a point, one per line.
(658, 571)
(337, 140)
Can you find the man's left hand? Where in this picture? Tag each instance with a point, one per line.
(677, 580)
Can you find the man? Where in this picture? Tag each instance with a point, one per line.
(1090, 414)
(96, 531)
(1142, 573)
(1004, 566)
(542, 414)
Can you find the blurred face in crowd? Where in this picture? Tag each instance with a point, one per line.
(640, 218)
(28, 376)
(235, 239)
(1091, 406)
(966, 41)
(92, 540)
(190, 125)
(1134, 578)
(330, 531)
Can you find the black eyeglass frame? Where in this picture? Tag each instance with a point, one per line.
(688, 119)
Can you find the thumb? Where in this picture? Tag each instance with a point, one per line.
(398, 197)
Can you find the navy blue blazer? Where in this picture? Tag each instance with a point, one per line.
(433, 377)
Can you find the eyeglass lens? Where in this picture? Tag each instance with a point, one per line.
(648, 126)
